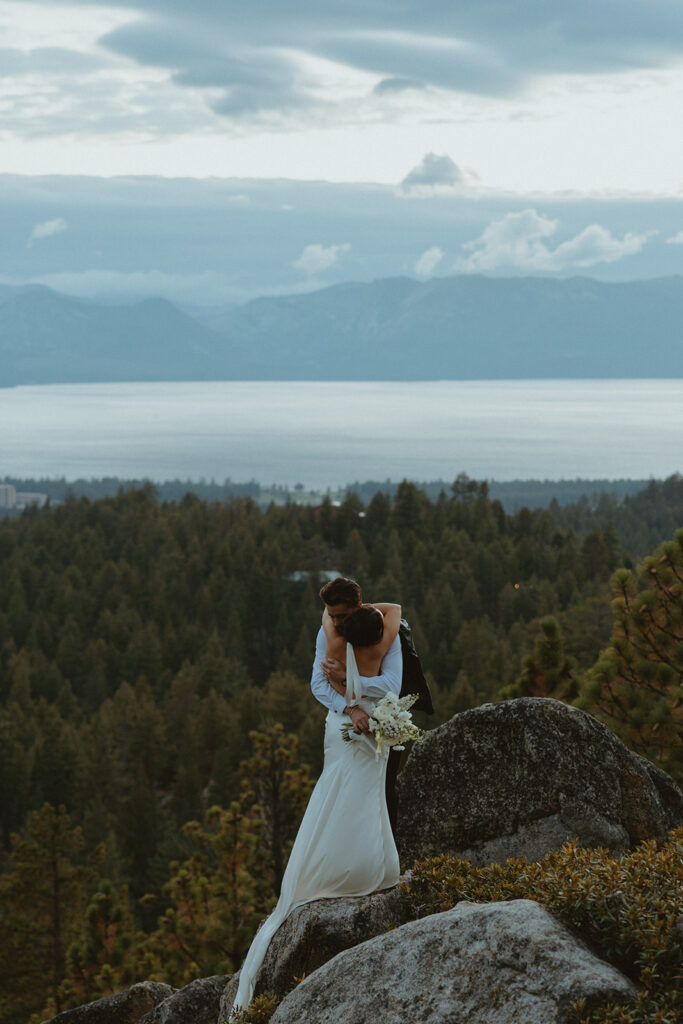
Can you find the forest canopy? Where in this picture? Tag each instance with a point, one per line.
(155, 659)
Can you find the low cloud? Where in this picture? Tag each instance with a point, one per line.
(316, 257)
(521, 240)
(397, 84)
(433, 172)
(428, 261)
(210, 288)
(45, 229)
(676, 239)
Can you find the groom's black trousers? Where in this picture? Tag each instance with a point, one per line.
(392, 799)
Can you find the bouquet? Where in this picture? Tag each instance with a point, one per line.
(390, 722)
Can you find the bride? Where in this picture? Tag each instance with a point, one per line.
(344, 846)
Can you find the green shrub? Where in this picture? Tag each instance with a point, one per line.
(628, 909)
(259, 1011)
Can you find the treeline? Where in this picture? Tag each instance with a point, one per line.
(513, 494)
(142, 641)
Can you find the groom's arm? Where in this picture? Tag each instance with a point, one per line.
(322, 690)
(391, 673)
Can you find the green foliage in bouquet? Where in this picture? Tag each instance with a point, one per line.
(627, 909)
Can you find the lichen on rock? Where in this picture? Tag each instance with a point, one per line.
(475, 964)
(520, 778)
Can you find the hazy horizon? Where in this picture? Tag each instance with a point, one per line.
(225, 241)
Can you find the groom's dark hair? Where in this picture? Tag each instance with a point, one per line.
(364, 627)
(342, 591)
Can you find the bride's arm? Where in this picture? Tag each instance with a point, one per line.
(392, 621)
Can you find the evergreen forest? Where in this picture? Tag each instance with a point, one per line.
(158, 735)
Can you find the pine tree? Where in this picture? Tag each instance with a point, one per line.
(354, 557)
(548, 672)
(106, 956)
(217, 898)
(14, 769)
(636, 686)
(42, 898)
(278, 787)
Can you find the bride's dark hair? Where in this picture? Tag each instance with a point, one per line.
(364, 627)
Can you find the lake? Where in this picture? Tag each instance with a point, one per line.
(328, 434)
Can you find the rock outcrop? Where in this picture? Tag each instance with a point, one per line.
(489, 963)
(126, 1007)
(521, 777)
(504, 780)
(314, 934)
(196, 1003)
(150, 1002)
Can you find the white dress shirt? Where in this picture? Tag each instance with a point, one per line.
(390, 677)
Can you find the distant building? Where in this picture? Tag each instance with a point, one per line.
(27, 498)
(8, 496)
(303, 576)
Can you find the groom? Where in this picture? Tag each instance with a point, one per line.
(342, 597)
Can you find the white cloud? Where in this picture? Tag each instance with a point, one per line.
(316, 257)
(432, 173)
(258, 57)
(427, 263)
(45, 229)
(595, 244)
(520, 240)
(676, 239)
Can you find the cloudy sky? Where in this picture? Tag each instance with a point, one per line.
(309, 142)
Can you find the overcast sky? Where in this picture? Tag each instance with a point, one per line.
(526, 94)
(508, 135)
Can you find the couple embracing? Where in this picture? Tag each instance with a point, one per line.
(345, 843)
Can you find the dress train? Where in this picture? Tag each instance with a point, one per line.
(344, 846)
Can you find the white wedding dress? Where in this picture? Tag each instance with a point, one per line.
(344, 846)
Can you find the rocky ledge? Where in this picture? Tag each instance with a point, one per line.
(522, 777)
(503, 780)
(488, 963)
(152, 1003)
(314, 934)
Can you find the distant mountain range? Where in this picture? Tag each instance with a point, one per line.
(465, 327)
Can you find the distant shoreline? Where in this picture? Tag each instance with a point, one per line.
(351, 382)
(513, 494)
